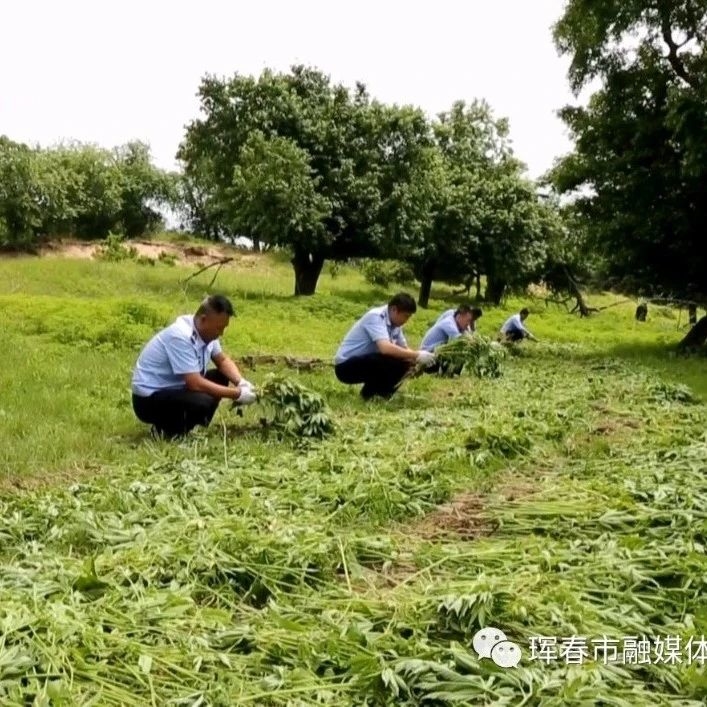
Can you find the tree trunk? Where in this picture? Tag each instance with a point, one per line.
(423, 298)
(580, 305)
(494, 290)
(256, 244)
(466, 287)
(696, 337)
(692, 312)
(308, 267)
(478, 287)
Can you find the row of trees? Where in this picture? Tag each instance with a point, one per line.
(293, 160)
(79, 190)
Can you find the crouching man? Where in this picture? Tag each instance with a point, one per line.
(450, 326)
(374, 351)
(514, 328)
(171, 387)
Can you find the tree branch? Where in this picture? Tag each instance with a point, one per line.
(305, 364)
(219, 263)
(673, 56)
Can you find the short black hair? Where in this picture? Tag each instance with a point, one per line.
(404, 302)
(216, 304)
(525, 311)
(468, 309)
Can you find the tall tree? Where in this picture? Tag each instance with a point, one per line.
(278, 202)
(472, 212)
(143, 190)
(640, 163)
(340, 154)
(79, 190)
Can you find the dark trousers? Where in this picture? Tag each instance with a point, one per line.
(379, 374)
(515, 335)
(176, 412)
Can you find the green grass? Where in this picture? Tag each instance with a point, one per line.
(76, 327)
(233, 568)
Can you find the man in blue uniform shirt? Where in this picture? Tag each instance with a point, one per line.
(374, 351)
(451, 325)
(514, 328)
(171, 388)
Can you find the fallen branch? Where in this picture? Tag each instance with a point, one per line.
(613, 304)
(558, 301)
(583, 309)
(302, 364)
(220, 263)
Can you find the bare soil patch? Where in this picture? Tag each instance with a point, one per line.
(185, 254)
(461, 517)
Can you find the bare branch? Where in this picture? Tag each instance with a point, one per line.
(219, 263)
(673, 57)
(303, 364)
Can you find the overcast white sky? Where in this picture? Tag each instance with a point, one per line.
(107, 72)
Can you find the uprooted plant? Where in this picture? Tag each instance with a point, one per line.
(294, 410)
(478, 355)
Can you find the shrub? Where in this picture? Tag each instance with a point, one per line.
(385, 272)
(167, 258)
(478, 355)
(113, 250)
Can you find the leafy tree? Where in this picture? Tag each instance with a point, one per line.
(277, 200)
(20, 212)
(143, 189)
(467, 207)
(83, 190)
(325, 158)
(78, 190)
(640, 163)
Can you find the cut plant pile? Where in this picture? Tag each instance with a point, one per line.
(239, 574)
(477, 355)
(295, 411)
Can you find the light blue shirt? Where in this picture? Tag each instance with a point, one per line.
(450, 313)
(514, 323)
(169, 355)
(373, 326)
(445, 314)
(443, 330)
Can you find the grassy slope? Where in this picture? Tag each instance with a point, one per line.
(75, 328)
(252, 572)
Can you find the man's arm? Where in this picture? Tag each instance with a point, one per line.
(388, 348)
(227, 366)
(528, 333)
(197, 383)
(185, 363)
(378, 332)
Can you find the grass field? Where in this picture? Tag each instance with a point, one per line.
(566, 498)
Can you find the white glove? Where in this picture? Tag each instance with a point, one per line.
(243, 383)
(247, 396)
(425, 358)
